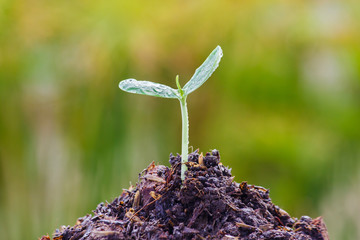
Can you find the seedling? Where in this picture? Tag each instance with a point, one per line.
(159, 90)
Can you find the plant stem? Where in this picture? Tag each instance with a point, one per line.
(185, 129)
(185, 136)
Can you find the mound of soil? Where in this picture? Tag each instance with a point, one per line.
(208, 205)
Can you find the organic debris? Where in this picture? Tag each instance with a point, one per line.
(207, 205)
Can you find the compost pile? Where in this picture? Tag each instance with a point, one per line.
(208, 205)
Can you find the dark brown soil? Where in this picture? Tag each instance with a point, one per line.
(209, 205)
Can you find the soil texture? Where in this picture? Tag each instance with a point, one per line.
(208, 205)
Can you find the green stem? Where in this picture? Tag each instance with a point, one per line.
(185, 136)
(185, 130)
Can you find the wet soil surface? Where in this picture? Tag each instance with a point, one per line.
(209, 205)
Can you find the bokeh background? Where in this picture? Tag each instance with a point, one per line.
(283, 107)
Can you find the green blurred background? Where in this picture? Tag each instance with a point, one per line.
(283, 107)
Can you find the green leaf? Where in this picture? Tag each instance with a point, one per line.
(148, 88)
(204, 71)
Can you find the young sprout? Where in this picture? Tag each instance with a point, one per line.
(159, 90)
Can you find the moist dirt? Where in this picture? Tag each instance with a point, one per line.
(208, 205)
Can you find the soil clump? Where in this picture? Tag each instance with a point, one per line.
(208, 205)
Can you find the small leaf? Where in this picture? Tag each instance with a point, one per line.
(148, 88)
(204, 71)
